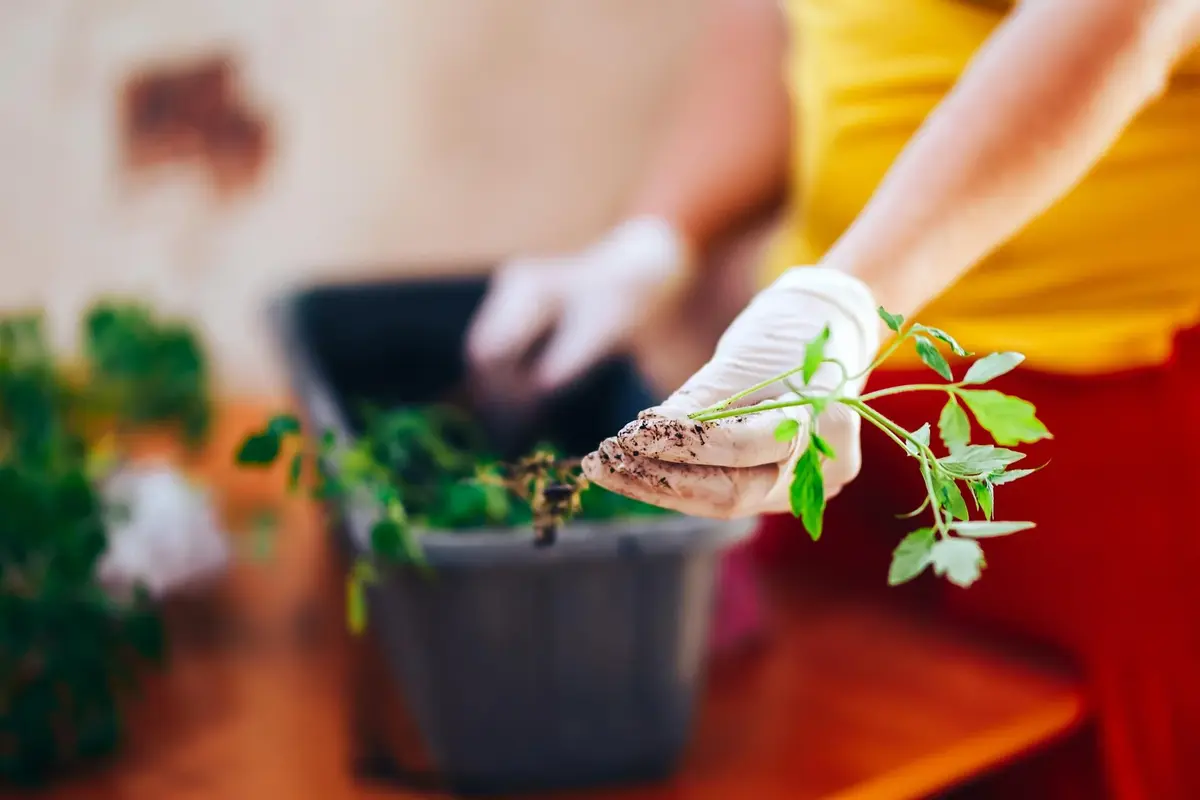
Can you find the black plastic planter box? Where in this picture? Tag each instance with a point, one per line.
(519, 668)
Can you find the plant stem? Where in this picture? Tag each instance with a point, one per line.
(878, 421)
(706, 414)
(701, 415)
(924, 454)
(709, 416)
(912, 387)
(897, 340)
(938, 520)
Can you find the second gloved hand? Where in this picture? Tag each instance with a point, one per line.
(590, 303)
(735, 467)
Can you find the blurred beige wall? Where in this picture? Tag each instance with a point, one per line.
(402, 133)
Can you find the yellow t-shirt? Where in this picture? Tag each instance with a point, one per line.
(1102, 281)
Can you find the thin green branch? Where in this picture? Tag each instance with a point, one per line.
(710, 416)
(702, 415)
(879, 422)
(949, 388)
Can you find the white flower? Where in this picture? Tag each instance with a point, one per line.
(162, 533)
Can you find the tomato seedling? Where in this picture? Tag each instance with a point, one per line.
(950, 544)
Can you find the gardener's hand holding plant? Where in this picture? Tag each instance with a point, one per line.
(737, 466)
(584, 306)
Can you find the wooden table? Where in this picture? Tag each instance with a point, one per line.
(849, 700)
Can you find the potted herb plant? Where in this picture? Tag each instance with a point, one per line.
(521, 666)
(524, 665)
(72, 646)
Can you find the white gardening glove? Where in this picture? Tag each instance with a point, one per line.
(165, 536)
(593, 301)
(735, 467)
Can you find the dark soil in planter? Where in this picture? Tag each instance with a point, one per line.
(511, 667)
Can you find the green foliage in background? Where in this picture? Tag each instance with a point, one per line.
(69, 651)
(428, 468)
(147, 370)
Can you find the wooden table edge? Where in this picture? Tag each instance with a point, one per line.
(974, 756)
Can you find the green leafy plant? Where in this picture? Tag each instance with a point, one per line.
(950, 544)
(427, 468)
(69, 650)
(146, 370)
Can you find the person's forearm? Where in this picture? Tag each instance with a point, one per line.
(1042, 102)
(724, 151)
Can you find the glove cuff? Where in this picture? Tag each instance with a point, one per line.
(846, 293)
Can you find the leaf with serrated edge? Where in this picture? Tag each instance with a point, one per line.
(921, 434)
(960, 561)
(953, 426)
(911, 556)
(807, 492)
(1010, 420)
(978, 460)
(933, 358)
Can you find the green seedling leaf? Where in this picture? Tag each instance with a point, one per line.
(992, 366)
(259, 450)
(356, 605)
(387, 539)
(814, 355)
(985, 497)
(283, 425)
(960, 561)
(933, 358)
(787, 430)
(911, 556)
(978, 461)
(942, 336)
(823, 447)
(807, 492)
(953, 426)
(950, 497)
(1010, 420)
(1001, 478)
(982, 530)
(893, 321)
(295, 469)
(921, 435)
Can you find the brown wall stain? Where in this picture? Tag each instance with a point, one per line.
(194, 114)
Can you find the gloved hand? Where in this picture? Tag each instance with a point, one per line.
(593, 302)
(735, 467)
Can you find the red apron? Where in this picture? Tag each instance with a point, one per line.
(1110, 577)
